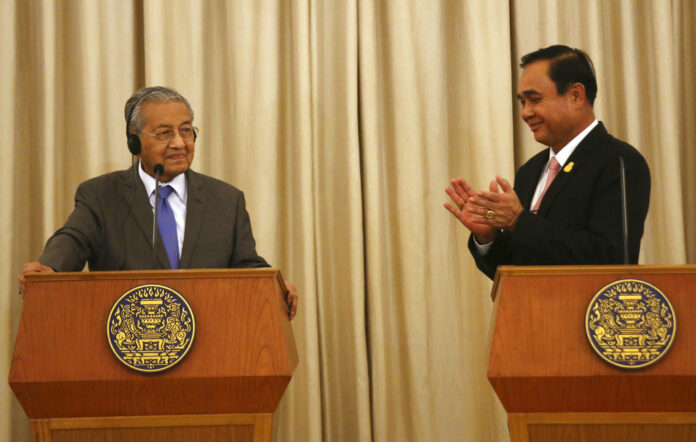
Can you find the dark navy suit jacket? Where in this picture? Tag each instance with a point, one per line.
(579, 219)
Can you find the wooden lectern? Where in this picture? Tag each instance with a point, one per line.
(552, 384)
(73, 388)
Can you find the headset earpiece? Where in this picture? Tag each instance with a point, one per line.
(134, 144)
(133, 139)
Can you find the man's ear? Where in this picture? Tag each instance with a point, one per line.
(577, 95)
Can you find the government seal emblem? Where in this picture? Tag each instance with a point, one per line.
(150, 328)
(630, 323)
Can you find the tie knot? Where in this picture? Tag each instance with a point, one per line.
(164, 191)
(554, 165)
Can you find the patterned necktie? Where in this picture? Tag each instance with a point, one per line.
(167, 226)
(554, 168)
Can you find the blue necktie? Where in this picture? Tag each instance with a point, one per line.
(167, 226)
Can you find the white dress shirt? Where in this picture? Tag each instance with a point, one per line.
(176, 200)
(562, 156)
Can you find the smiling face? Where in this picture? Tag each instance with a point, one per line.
(176, 155)
(552, 118)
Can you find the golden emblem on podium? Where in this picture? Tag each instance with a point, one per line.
(630, 323)
(150, 328)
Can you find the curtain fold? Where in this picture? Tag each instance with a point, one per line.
(67, 71)
(10, 305)
(429, 112)
(343, 121)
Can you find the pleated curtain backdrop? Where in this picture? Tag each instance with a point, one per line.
(343, 122)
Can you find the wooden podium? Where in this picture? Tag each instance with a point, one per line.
(552, 384)
(73, 388)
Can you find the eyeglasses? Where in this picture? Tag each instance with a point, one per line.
(167, 135)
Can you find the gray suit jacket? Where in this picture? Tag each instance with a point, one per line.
(110, 227)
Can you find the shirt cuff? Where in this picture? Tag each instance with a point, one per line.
(482, 248)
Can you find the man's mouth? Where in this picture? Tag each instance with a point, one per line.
(176, 156)
(535, 126)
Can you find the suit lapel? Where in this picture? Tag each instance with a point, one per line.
(195, 203)
(142, 212)
(561, 180)
(565, 176)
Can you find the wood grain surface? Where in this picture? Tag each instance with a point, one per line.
(602, 427)
(184, 428)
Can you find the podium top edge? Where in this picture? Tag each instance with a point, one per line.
(264, 272)
(593, 270)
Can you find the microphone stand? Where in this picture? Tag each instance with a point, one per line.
(624, 209)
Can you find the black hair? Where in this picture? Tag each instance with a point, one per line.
(567, 67)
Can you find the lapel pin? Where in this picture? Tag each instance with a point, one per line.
(568, 167)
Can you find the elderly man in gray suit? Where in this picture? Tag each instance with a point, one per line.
(202, 222)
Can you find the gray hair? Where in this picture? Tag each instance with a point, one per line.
(158, 94)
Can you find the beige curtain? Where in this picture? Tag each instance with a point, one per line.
(435, 103)
(342, 121)
(67, 67)
(14, 421)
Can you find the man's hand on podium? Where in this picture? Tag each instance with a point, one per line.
(31, 267)
(291, 299)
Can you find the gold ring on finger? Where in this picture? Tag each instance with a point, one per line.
(490, 214)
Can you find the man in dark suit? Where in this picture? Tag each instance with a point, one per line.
(565, 207)
(202, 222)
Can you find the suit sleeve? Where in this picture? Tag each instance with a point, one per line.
(499, 254)
(244, 254)
(71, 246)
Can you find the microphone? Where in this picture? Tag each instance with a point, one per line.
(158, 170)
(624, 209)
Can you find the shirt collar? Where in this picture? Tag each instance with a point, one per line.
(178, 183)
(567, 150)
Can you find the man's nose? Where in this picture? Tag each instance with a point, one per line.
(526, 112)
(177, 141)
